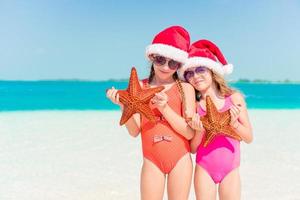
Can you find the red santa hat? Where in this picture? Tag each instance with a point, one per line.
(173, 43)
(207, 54)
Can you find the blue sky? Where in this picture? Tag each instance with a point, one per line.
(99, 40)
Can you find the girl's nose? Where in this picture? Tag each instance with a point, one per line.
(196, 75)
(165, 66)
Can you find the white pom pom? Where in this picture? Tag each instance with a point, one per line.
(228, 69)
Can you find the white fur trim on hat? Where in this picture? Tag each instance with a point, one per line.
(167, 51)
(205, 62)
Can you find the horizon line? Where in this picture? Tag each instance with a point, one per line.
(244, 80)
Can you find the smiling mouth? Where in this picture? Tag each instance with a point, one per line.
(198, 81)
(164, 72)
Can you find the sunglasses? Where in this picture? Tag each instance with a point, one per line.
(188, 74)
(160, 61)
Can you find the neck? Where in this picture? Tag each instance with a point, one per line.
(212, 92)
(159, 81)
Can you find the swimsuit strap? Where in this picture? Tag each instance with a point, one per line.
(179, 86)
(228, 103)
(146, 83)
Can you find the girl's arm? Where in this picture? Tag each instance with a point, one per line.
(133, 124)
(196, 140)
(196, 124)
(240, 120)
(177, 122)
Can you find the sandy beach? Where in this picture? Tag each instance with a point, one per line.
(86, 155)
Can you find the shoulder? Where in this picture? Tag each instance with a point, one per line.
(189, 92)
(237, 98)
(187, 87)
(141, 83)
(144, 82)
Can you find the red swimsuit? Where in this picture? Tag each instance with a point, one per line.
(161, 144)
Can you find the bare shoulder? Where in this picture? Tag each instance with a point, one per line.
(144, 82)
(238, 98)
(189, 95)
(187, 87)
(141, 83)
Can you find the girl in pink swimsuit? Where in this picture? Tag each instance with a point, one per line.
(218, 162)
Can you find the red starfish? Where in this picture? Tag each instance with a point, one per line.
(216, 123)
(136, 99)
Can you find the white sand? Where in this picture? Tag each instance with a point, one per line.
(87, 156)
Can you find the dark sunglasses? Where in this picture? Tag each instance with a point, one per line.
(160, 61)
(188, 74)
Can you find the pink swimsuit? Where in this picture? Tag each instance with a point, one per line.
(222, 155)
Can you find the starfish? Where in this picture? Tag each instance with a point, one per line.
(216, 123)
(136, 99)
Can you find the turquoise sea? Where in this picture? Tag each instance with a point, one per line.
(90, 95)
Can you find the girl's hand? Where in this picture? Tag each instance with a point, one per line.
(235, 111)
(112, 94)
(195, 123)
(160, 100)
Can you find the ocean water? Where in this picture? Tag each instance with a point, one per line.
(90, 95)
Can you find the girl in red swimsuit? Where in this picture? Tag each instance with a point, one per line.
(165, 143)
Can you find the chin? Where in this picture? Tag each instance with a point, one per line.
(165, 75)
(201, 86)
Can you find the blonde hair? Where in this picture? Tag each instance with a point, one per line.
(221, 85)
